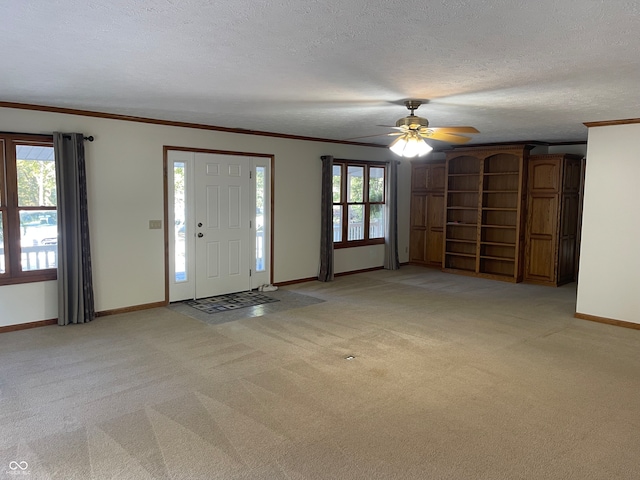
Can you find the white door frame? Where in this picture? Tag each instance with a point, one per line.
(266, 161)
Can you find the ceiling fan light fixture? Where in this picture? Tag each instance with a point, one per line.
(397, 146)
(410, 145)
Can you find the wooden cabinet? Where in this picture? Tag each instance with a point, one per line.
(496, 212)
(427, 213)
(553, 211)
(484, 211)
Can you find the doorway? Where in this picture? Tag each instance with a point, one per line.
(219, 218)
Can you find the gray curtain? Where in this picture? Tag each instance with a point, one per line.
(75, 284)
(391, 261)
(326, 221)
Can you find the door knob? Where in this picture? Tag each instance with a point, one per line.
(200, 235)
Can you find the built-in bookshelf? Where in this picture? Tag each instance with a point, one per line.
(462, 202)
(484, 218)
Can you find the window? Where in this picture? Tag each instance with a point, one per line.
(28, 213)
(358, 203)
(261, 195)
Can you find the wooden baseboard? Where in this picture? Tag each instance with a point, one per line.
(608, 321)
(293, 282)
(341, 274)
(25, 326)
(147, 306)
(353, 272)
(104, 313)
(422, 265)
(134, 308)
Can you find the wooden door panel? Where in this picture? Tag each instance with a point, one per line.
(540, 261)
(542, 235)
(572, 176)
(418, 211)
(543, 175)
(436, 178)
(435, 228)
(434, 248)
(566, 260)
(435, 211)
(419, 177)
(417, 246)
(542, 215)
(569, 215)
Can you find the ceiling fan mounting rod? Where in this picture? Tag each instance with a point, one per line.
(412, 105)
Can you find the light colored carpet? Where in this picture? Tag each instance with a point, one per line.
(453, 378)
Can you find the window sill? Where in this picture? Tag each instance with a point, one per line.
(358, 243)
(30, 278)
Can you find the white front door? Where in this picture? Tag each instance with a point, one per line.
(218, 206)
(224, 224)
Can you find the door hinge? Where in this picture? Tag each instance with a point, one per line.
(250, 273)
(250, 174)
(250, 224)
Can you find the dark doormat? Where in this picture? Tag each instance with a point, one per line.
(232, 301)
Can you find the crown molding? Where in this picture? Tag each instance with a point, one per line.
(170, 123)
(608, 123)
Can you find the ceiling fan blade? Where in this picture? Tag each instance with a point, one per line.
(455, 129)
(444, 137)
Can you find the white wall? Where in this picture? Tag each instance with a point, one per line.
(125, 183)
(609, 275)
(30, 302)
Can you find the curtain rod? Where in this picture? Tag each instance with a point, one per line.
(89, 138)
(379, 162)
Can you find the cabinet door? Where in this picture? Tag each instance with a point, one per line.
(435, 229)
(419, 177)
(542, 238)
(436, 177)
(569, 221)
(427, 213)
(567, 240)
(418, 233)
(543, 202)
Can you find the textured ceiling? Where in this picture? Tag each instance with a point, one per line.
(528, 70)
